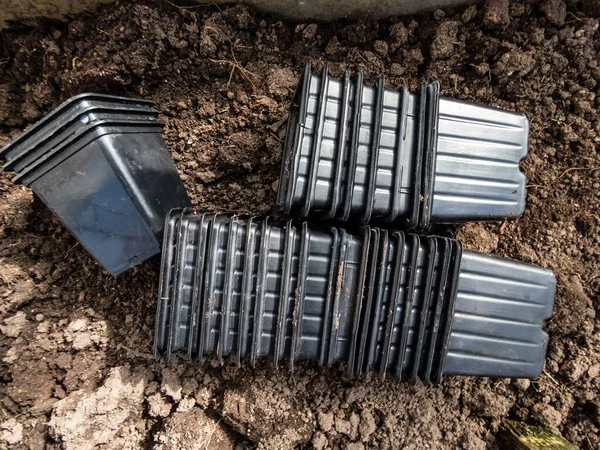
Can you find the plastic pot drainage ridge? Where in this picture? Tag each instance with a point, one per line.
(379, 300)
(373, 155)
(100, 163)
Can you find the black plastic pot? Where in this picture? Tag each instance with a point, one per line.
(363, 154)
(378, 300)
(100, 163)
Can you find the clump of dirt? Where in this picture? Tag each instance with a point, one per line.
(83, 420)
(76, 367)
(192, 429)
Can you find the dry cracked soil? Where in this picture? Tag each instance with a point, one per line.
(76, 369)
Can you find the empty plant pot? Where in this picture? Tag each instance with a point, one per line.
(100, 163)
(363, 154)
(378, 300)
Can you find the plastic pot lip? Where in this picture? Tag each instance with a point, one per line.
(63, 108)
(78, 142)
(121, 115)
(61, 121)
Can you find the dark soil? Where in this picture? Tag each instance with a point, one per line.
(76, 368)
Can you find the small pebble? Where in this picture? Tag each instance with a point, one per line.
(594, 371)
(522, 383)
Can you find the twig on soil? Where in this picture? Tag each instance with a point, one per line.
(589, 442)
(277, 125)
(562, 175)
(576, 168)
(236, 65)
(135, 353)
(477, 67)
(244, 71)
(577, 19)
(277, 138)
(551, 377)
(363, 58)
(6, 280)
(208, 28)
(212, 432)
(69, 251)
(503, 227)
(33, 236)
(185, 7)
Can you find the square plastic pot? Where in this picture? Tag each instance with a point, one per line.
(109, 178)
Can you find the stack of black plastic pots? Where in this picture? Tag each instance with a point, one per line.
(379, 300)
(363, 154)
(100, 163)
(371, 298)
